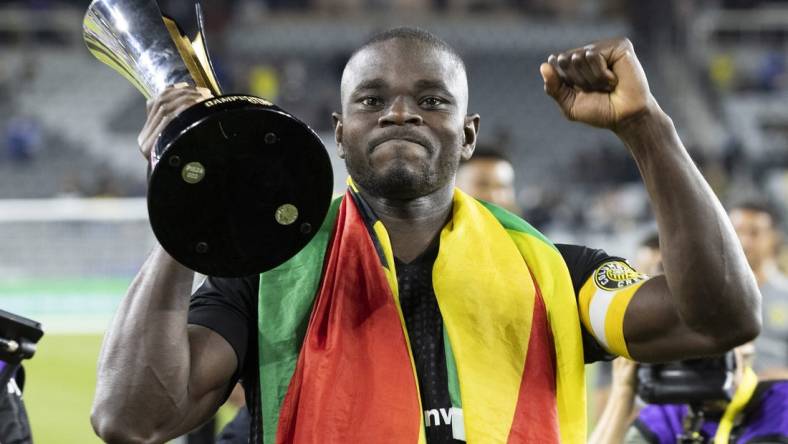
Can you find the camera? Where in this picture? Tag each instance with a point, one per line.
(18, 338)
(692, 381)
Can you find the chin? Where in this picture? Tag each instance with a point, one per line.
(398, 182)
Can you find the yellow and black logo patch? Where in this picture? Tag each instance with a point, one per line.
(616, 275)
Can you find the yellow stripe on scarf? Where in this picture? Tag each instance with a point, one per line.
(486, 296)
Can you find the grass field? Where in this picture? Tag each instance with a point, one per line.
(61, 380)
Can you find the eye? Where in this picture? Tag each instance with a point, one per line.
(371, 101)
(432, 102)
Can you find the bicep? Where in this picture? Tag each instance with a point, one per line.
(213, 363)
(654, 331)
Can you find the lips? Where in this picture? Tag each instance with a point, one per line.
(406, 136)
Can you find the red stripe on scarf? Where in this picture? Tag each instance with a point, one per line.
(536, 416)
(353, 381)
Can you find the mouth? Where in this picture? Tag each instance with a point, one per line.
(379, 142)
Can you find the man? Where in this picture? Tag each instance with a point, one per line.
(489, 175)
(757, 225)
(420, 314)
(757, 413)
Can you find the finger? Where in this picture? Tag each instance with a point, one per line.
(551, 78)
(205, 92)
(581, 66)
(149, 141)
(572, 76)
(598, 64)
(556, 88)
(170, 99)
(553, 61)
(164, 112)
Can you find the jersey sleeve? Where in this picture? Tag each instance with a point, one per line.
(604, 286)
(228, 307)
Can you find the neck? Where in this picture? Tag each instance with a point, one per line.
(412, 224)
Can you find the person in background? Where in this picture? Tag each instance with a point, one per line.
(757, 413)
(757, 226)
(14, 425)
(489, 176)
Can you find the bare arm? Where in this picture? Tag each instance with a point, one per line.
(619, 410)
(157, 376)
(708, 301)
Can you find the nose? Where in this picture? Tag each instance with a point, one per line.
(400, 112)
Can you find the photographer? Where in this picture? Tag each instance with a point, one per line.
(757, 412)
(14, 425)
(18, 338)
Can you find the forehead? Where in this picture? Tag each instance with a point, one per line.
(400, 62)
(489, 169)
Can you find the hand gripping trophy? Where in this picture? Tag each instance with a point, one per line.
(238, 185)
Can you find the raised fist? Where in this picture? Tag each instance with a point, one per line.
(601, 84)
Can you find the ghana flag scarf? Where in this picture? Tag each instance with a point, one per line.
(335, 360)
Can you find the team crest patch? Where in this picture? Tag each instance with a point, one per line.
(616, 275)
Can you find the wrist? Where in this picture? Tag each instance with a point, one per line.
(651, 118)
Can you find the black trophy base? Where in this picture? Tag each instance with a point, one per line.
(240, 186)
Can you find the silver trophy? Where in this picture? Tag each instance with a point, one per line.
(237, 185)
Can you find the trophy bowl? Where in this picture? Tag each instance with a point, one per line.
(238, 186)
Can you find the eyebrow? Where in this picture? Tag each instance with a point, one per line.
(436, 85)
(370, 84)
(373, 84)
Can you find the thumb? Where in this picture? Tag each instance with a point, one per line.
(552, 83)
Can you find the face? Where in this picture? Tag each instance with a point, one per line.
(757, 235)
(648, 260)
(403, 127)
(489, 179)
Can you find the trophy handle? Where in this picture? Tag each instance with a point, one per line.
(194, 55)
(200, 45)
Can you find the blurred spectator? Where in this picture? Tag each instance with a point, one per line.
(489, 176)
(23, 138)
(757, 225)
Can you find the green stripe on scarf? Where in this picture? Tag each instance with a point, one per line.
(512, 222)
(287, 294)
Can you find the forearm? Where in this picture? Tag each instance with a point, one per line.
(144, 366)
(613, 422)
(707, 274)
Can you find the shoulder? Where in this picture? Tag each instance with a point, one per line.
(237, 293)
(582, 262)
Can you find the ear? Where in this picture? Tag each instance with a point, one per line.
(337, 117)
(470, 131)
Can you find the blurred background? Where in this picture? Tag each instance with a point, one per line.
(73, 220)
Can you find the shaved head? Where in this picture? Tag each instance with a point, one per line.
(416, 38)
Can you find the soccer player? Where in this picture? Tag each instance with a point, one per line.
(419, 314)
